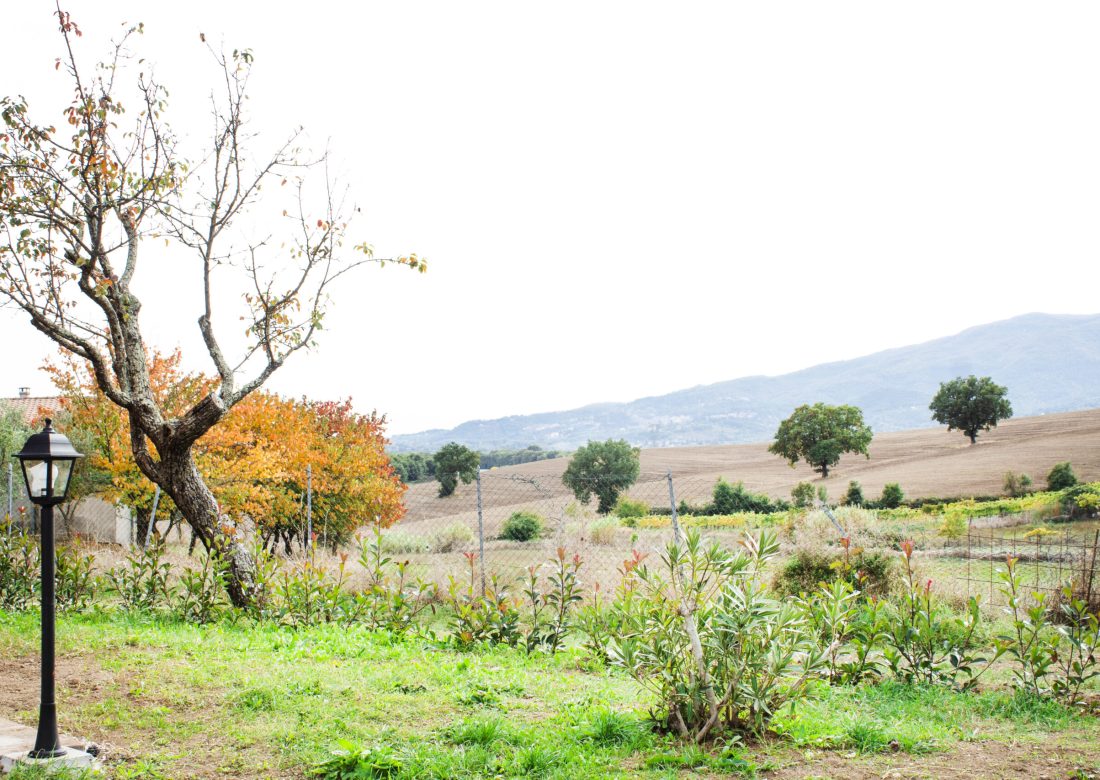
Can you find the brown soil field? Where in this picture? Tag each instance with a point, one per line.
(925, 462)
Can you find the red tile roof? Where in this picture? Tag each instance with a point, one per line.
(34, 408)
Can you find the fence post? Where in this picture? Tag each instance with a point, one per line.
(677, 533)
(1092, 568)
(10, 497)
(152, 517)
(309, 509)
(969, 520)
(480, 533)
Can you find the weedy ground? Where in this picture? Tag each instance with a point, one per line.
(167, 699)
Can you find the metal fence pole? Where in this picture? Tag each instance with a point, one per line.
(309, 506)
(676, 532)
(480, 533)
(10, 496)
(152, 518)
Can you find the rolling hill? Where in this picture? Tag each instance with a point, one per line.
(1049, 363)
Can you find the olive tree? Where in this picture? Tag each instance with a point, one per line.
(970, 404)
(820, 434)
(85, 207)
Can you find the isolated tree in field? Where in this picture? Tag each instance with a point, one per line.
(970, 404)
(603, 469)
(452, 463)
(820, 434)
(84, 206)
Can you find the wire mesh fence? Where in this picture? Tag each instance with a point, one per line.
(1048, 563)
(508, 520)
(506, 523)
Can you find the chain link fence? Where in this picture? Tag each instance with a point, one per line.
(92, 518)
(509, 520)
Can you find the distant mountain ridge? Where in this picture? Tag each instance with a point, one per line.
(1049, 363)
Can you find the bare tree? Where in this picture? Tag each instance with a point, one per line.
(82, 206)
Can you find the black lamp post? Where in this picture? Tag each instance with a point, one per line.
(47, 461)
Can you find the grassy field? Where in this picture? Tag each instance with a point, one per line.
(171, 700)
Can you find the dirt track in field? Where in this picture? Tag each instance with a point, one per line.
(925, 462)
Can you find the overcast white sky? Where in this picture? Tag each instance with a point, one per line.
(624, 199)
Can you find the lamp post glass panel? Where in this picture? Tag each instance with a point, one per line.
(47, 460)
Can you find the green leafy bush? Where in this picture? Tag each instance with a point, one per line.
(200, 595)
(1081, 501)
(1049, 659)
(928, 643)
(803, 494)
(854, 496)
(892, 496)
(310, 594)
(702, 633)
(141, 581)
(490, 618)
(20, 569)
(730, 499)
(551, 610)
(391, 600)
(627, 509)
(522, 526)
(1061, 477)
(805, 571)
(851, 628)
(1016, 485)
(77, 586)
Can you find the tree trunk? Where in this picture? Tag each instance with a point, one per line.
(182, 481)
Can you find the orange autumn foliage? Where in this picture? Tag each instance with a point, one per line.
(256, 459)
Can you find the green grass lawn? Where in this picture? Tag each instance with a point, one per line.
(173, 700)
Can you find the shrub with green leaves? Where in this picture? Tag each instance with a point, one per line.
(522, 526)
(854, 496)
(1081, 501)
(928, 642)
(200, 595)
(1049, 659)
(551, 609)
(309, 593)
(1016, 485)
(702, 633)
(141, 581)
(852, 628)
(730, 499)
(491, 617)
(77, 585)
(627, 509)
(391, 600)
(803, 495)
(872, 573)
(20, 569)
(892, 496)
(1061, 476)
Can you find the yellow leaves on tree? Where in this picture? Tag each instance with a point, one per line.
(255, 460)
